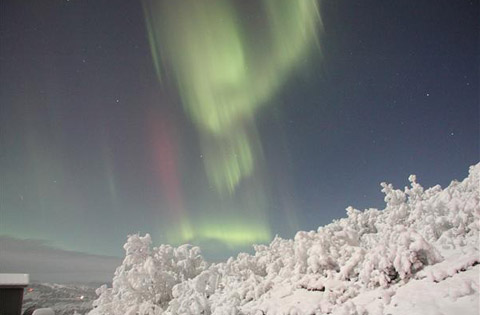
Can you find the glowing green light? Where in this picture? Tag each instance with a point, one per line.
(223, 75)
(230, 234)
(186, 231)
(236, 235)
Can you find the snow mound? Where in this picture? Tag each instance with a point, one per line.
(420, 255)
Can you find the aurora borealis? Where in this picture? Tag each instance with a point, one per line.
(224, 75)
(223, 123)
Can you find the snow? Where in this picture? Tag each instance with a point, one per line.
(43, 311)
(63, 299)
(419, 255)
(15, 279)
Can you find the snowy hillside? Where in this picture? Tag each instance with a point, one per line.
(63, 299)
(420, 255)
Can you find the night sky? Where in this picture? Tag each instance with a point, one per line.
(225, 123)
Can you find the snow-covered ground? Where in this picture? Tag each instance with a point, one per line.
(420, 255)
(63, 299)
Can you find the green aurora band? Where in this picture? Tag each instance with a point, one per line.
(226, 68)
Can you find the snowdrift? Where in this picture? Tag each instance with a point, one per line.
(420, 255)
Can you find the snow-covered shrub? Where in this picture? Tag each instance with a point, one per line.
(398, 255)
(143, 283)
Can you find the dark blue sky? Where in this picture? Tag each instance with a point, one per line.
(394, 90)
(397, 93)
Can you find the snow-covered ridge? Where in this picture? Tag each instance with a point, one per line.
(419, 255)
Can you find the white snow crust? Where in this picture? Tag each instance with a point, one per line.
(18, 279)
(419, 255)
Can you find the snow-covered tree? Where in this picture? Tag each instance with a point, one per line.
(143, 283)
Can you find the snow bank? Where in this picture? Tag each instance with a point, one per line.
(420, 255)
